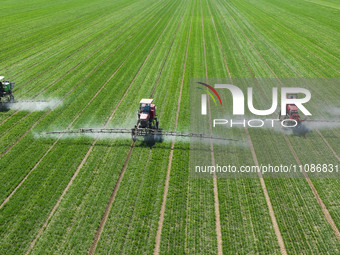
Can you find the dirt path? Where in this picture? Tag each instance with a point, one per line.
(263, 185)
(316, 195)
(109, 205)
(67, 94)
(318, 198)
(113, 195)
(94, 143)
(70, 70)
(78, 115)
(216, 202)
(329, 146)
(269, 204)
(166, 186)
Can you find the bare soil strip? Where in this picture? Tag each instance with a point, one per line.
(59, 200)
(293, 53)
(4, 120)
(316, 195)
(114, 193)
(318, 198)
(217, 212)
(263, 185)
(111, 200)
(166, 186)
(311, 185)
(329, 146)
(216, 202)
(73, 68)
(269, 204)
(35, 166)
(28, 174)
(92, 146)
(219, 42)
(60, 101)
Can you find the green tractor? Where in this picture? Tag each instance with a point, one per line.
(6, 95)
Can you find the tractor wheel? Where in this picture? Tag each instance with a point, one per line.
(133, 134)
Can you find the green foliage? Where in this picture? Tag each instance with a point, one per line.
(99, 58)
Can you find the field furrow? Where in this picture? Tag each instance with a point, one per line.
(91, 62)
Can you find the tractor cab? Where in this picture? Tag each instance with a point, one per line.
(145, 105)
(6, 88)
(292, 96)
(291, 109)
(147, 114)
(293, 113)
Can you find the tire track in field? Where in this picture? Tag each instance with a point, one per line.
(114, 193)
(53, 55)
(329, 146)
(78, 115)
(282, 58)
(9, 116)
(217, 213)
(55, 106)
(72, 69)
(241, 54)
(111, 200)
(137, 196)
(92, 146)
(69, 71)
(317, 196)
(254, 156)
(216, 202)
(315, 55)
(269, 204)
(166, 185)
(67, 94)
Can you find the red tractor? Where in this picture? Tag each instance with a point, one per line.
(292, 114)
(147, 123)
(147, 127)
(147, 115)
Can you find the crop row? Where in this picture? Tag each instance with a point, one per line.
(74, 105)
(141, 153)
(65, 183)
(63, 171)
(315, 208)
(61, 80)
(259, 70)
